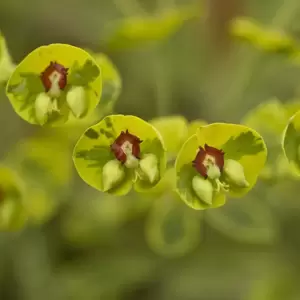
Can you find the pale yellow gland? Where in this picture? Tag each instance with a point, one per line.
(42, 107)
(212, 170)
(55, 89)
(77, 101)
(149, 167)
(203, 189)
(112, 174)
(234, 173)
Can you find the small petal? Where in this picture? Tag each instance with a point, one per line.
(77, 100)
(234, 172)
(149, 166)
(203, 189)
(42, 107)
(113, 174)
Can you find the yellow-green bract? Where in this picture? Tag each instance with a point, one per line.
(245, 153)
(6, 64)
(98, 165)
(270, 119)
(52, 83)
(13, 215)
(291, 141)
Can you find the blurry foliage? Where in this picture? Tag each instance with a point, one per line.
(77, 243)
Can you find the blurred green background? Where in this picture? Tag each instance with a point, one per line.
(81, 244)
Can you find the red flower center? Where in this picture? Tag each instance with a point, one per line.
(126, 144)
(207, 157)
(54, 76)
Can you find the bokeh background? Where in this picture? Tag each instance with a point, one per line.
(80, 244)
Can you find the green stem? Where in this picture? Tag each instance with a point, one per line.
(161, 83)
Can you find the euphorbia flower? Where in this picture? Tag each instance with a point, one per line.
(54, 83)
(118, 152)
(220, 158)
(13, 215)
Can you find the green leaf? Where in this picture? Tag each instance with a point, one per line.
(172, 230)
(25, 84)
(249, 221)
(247, 143)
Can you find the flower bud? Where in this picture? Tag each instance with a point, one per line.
(203, 189)
(42, 107)
(149, 166)
(234, 172)
(77, 100)
(112, 174)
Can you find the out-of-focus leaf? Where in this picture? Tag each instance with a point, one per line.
(139, 30)
(248, 220)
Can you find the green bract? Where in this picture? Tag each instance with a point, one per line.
(6, 64)
(54, 82)
(291, 141)
(220, 158)
(270, 119)
(138, 30)
(120, 151)
(111, 80)
(12, 212)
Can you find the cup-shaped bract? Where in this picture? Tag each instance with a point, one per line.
(13, 214)
(219, 159)
(174, 131)
(55, 82)
(111, 80)
(270, 119)
(6, 64)
(118, 152)
(291, 142)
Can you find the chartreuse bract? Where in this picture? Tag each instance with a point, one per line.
(270, 119)
(291, 141)
(6, 64)
(54, 82)
(118, 152)
(220, 158)
(12, 211)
